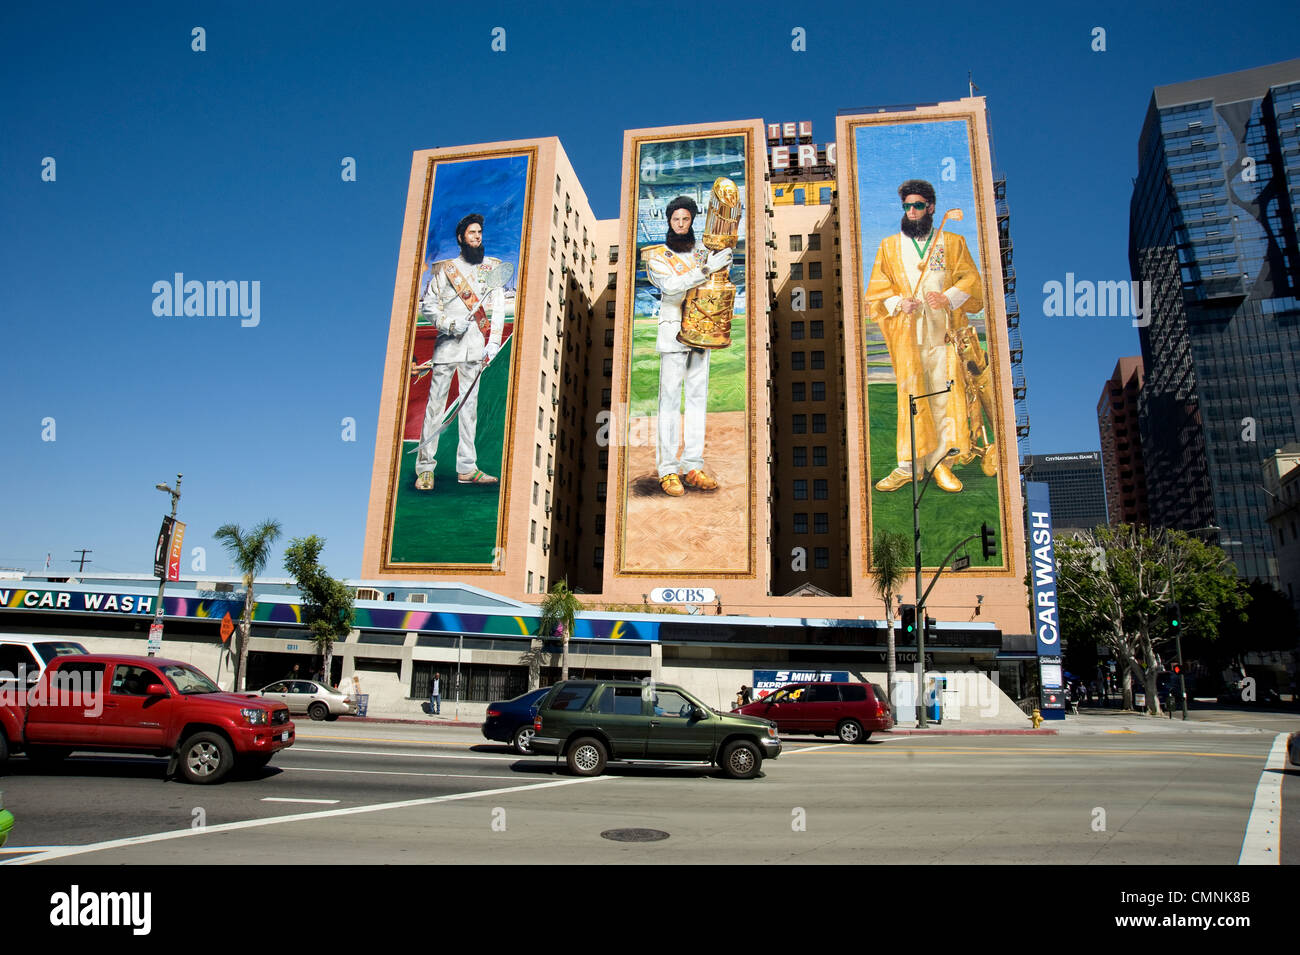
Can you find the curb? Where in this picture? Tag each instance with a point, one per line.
(475, 724)
(987, 732)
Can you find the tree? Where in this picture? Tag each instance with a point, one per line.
(250, 553)
(558, 610)
(326, 602)
(1116, 585)
(891, 563)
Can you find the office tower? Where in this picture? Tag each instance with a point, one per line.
(1121, 444)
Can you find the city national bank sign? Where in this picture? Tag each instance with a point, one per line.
(784, 137)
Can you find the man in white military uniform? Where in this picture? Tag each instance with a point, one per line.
(459, 299)
(674, 269)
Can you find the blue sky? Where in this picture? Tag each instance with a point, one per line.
(225, 165)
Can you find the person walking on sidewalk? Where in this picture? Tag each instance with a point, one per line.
(435, 695)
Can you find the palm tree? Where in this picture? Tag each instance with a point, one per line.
(558, 610)
(250, 553)
(890, 565)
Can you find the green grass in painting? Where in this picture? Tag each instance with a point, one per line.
(727, 385)
(945, 518)
(455, 523)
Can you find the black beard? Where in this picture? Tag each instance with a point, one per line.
(680, 243)
(471, 254)
(919, 228)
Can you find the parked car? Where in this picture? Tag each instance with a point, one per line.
(6, 821)
(511, 721)
(1293, 749)
(150, 705)
(593, 722)
(317, 700)
(31, 654)
(852, 711)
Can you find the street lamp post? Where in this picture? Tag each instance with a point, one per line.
(157, 626)
(917, 493)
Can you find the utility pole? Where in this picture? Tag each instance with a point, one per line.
(917, 493)
(157, 626)
(82, 559)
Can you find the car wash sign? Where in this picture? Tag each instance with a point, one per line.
(1042, 569)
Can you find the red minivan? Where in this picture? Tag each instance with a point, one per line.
(852, 711)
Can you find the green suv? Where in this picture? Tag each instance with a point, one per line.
(590, 722)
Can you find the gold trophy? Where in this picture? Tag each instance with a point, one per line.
(707, 309)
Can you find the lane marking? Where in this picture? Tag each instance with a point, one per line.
(1057, 752)
(375, 752)
(16, 849)
(68, 851)
(1260, 845)
(322, 802)
(401, 742)
(387, 772)
(813, 749)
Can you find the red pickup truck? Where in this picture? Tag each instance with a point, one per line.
(133, 704)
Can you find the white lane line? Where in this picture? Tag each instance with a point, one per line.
(389, 772)
(65, 852)
(812, 749)
(15, 849)
(375, 752)
(321, 802)
(1264, 829)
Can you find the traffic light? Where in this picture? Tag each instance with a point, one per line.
(929, 625)
(988, 541)
(1173, 616)
(908, 614)
(1178, 668)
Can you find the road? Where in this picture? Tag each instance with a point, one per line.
(388, 793)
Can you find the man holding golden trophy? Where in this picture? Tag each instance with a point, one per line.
(696, 305)
(924, 286)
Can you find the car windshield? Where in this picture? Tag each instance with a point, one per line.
(49, 651)
(188, 680)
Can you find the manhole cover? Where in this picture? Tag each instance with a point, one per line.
(634, 835)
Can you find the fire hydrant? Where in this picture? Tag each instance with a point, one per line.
(1037, 719)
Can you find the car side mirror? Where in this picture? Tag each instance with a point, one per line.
(155, 689)
(699, 713)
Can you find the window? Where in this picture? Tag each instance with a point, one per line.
(550, 278)
(814, 242)
(819, 391)
(818, 359)
(796, 330)
(609, 308)
(821, 557)
(603, 458)
(819, 424)
(820, 489)
(601, 488)
(532, 532)
(796, 361)
(824, 195)
(819, 456)
(800, 489)
(573, 696)
(607, 367)
(535, 492)
(543, 382)
(799, 196)
(799, 424)
(796, 243)
(541, 417)
(796, 270)
(556, 217)
(816, 328)
(612, 282)
(605, 395)
(613, 254)
(801, 456)
(600, 523)
(552, 247)
(609, 338)
(821, 523)
(620, 701)
(548, 312)
(814, 270)
(801, 523)
(815, 301)
(530, 583)
(537, 458)
(669, 704)
(598, 560)
(798, 391)
(546, 346)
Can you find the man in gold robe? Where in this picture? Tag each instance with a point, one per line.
(916, 316)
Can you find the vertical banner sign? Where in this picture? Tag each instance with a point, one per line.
(174, 557)
(1042, 562)
(160, 549)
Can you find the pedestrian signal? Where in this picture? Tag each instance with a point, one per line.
(908, 613)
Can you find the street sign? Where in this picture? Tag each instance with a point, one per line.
(155, 637)
(227, 627)
(961, 563)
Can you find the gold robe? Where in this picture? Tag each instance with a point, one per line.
(950, 268)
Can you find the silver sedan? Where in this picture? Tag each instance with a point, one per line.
(317, 700)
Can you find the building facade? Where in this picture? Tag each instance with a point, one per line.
(1213, 242)
(1121, 444)
(1077, 488)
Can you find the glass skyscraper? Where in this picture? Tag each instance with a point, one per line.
(1212, 229)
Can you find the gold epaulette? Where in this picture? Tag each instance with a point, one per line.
(651, 251)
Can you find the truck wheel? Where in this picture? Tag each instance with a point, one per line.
(741, 760)
(586, 757)
(206, 758)
(850, 731)
(318, 711)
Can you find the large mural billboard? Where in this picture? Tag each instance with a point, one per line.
(926, 314)
(447, 488)
(685, 504)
